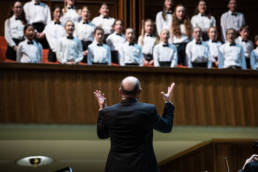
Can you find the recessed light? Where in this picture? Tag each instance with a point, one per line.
(34, 161)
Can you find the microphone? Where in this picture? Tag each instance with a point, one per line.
(226, 163)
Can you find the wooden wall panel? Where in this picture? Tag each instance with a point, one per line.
(210, 157)
(63, 93)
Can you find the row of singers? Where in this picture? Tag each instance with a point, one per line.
(198, 52)
(84, 31)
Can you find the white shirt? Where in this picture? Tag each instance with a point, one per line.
(214, 48)
(165, 54)
(85, 31)
(37, 13)
(232, 56)
(163, 24)
(105, 22)
(203, 22)
(29, 53)
(13, 29)
(247, 46)
(70, 14)
(149, 43)
(53, 33)
(115, 41)
(254, 59)
(228, 20)
(130, 54)
(99, 53)
(198, 53)
(69, 49)
(181, 39)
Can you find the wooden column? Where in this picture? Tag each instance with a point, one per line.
(123, 12)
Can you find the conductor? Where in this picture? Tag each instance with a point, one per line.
(130, 124)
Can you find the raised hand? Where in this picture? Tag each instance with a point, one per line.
(167, 96)
(100, 98)
(252, 158)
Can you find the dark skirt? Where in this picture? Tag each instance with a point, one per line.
(205, 36)
(114, 57)
(181, 53)
(248, 64)
(10, 52)
(165, 64)
(51, 55)
(199, 64)
(233, 67)
(131, 64)
(148, 57)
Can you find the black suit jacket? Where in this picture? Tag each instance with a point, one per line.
(251, 167)
(129, 125)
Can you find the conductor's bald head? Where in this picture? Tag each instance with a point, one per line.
(130, 87)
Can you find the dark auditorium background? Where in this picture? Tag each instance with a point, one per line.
(48, 109)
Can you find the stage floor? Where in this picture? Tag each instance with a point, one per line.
(78, 146)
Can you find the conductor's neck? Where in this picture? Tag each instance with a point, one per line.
(124, 97)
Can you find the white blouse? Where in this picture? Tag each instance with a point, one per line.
(69, 50)
(13, 29)
(164, 53)
(29, 52)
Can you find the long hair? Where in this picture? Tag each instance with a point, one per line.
(164, 11)
(143, 31)
(207, 12)
(175, 27)
(22, 16)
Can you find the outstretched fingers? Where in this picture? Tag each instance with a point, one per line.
(170, 89)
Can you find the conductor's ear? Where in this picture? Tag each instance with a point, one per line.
(120, 90)
(139, 91)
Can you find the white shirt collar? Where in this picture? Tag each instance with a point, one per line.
(95, 42)
(230, 12)
(194, 40)
(103, 16)
(200, 15)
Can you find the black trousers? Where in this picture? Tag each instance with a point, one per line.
(181, 53)
(40, 28)
(85, 45)
(164, 64)
(234, 67)
(114, 57)
(131, 64)
(199, 65)
(248, 65)
(100, 64)
(51, 55)
(10, 53)
(148, 57)
(205, 36)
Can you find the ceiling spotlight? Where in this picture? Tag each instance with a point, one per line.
(34, 161)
